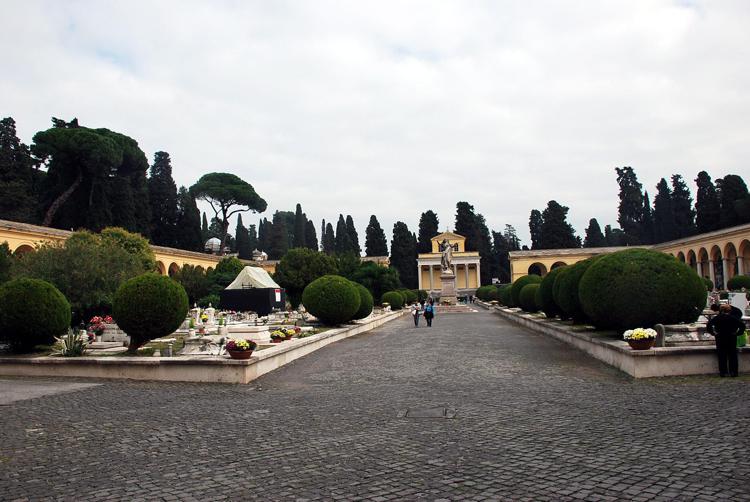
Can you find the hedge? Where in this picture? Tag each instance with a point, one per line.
(394, 299)
(527, 298)
(546, 298)
(32, 312)
(332, 299)
(485, 293)
(567, 295)
(365, 302)
(738, 282)
(149, 306)
(556, 290)
(503, 294)
(639, 288)
(519, 283)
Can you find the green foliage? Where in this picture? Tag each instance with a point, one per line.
(630, 209)
(707, 205)
(428, 228)
(393, 298)
(162, 195)
(709, 284)
(347, 264)
(404, 254)
(332, 299)
(567, 293)
(640, 288)
(375, 241)
(73, 344)
(515, 290)
(18, 178)
(32, 312)
(546, 293)
(212, 300)
(504, 294)
(527, 297)
(188, 227)
(486, 293)
(594, 237)
(194, 280)
(409, 296)
(365, 302)
(738, 282)
(6, 262)
(377, 279)
(149, 306)
(422, 295)
(135, 245)
(555, 232)
(298, 268)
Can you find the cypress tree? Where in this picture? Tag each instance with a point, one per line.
(428, 228)
(707, 207)
(188, 234)
(242, 240)
(484, 247)
(404, 254)
(252, 239)
(594, 236)
(647, 223)
(329, 240)
(664, 225)
(375, 241)
(555, 231)
(279, 237)
(535, 228)
(311, 239)
(204, 229)
(511, 237)
(615, 236)
(343, 244)
(466, 224)
(732, 191)
(500, 259)
(264, 235)
(353, 237)
(630, 209)
(682, 205)
(300, 222)
(162, 194)
(18, 178)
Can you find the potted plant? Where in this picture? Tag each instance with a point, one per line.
(191, 327)
(640, 338)
(97, 326)
(277, 336)
(241, 348)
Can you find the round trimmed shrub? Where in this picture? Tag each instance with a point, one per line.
(545, 292)
(738, 282)
(527, 298)
(394, 299)
(556, 290)
(149, 306)
(32, 312)
(409, 296)
(422, 295)
(484, 293)
(365, 302)
(639, 288)
(709, 284)
(567, 293)
(538, 298)
(503, 294)
(332, 299)
(515, 290)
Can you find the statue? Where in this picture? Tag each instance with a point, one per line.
(446, 260)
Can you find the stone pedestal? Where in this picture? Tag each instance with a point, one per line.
(448, 288)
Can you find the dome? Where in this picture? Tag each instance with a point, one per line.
(213, 244)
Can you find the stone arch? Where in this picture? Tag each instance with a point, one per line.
(692, 260)
(681, 256)
(161, 268)
(23, 249)
(558, 264)
(209, 269)
(173, 269)
(730, 254)
(717, 263)
(199, 268)
(743, 257)
(538, 268)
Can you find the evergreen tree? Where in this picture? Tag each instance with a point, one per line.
(329, 240)
(535, 228)
(594, 236)
(343, 242)
(252, 239)
(18, 178)
(707, 206)
(630, 210)
(647, 223)
(322, 232)
(242, 240)
(375, 242)
(204, 228)
(311, 239)
(732, 191)
(279, 237)
(428, 228)
(484, 247)
(556, 232)
(664, 224)
(162, 194)
(264, 235)
(466, 224)
(353, 237)
(500, 259)
(682, 205)
(188, 234)
(404, 254)
(615, 237)
(300, 221)
(511, 237)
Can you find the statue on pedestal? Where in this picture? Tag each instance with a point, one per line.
(446, 259)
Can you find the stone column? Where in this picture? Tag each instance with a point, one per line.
(419, 273)
(712, 272)
(466, 274)
(479, 280)
(725, 272)
(431, 280)
(740, 265)
(699, 268)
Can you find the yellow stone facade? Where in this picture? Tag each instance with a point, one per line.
(465, 265)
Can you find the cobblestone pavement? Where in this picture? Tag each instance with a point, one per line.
(534, 420)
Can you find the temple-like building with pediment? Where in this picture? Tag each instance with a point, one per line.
(465, 266)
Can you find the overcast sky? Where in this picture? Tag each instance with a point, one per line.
(393, 108)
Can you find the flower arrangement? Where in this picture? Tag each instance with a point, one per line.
(639, 334)
(204, 317)
(71, 345)
(240, 345)
(97, 324)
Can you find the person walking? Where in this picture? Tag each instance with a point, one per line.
(429, 312)
(726, 328)
(415, 312)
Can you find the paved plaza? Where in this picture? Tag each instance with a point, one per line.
(472, 409)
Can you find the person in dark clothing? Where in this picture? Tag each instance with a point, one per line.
(735, 311)
(726, 328)
(429, 312)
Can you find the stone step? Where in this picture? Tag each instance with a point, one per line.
(103, 345)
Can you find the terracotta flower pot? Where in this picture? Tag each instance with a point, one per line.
(240, 354)
(643, 344)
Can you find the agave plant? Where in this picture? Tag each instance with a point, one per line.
(72, 344)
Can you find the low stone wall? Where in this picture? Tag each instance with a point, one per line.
(656, 362)
(187, 368)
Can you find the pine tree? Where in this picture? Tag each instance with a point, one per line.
(242, 238)
(18, 178)
(731, 190)
(707, 206)
(279, 237)
(353, 237)
(630, 210)
(329, 240)
(204, 229)
(647, 223)
(404, 254)
(535, 228)
(594, 236)
(375, 241)
(682, 205)
(664, 224)
(311, 239)
(343, 244)
(300, 221)
(189, 235)
(556, 232)
(428, 228)
(162, 194)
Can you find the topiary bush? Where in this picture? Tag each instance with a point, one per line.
(32, 312)
(394, 299)
(738, 282)
(422, 295)
(484, 293)
(503, 294)
(567, 294)
(409, 296)
(515, 290)
(527, 298)
(365, 302)
(149, 306)
(709, 284)
(332, 299)
(556, 290)
(546, 301)
(639, 288)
